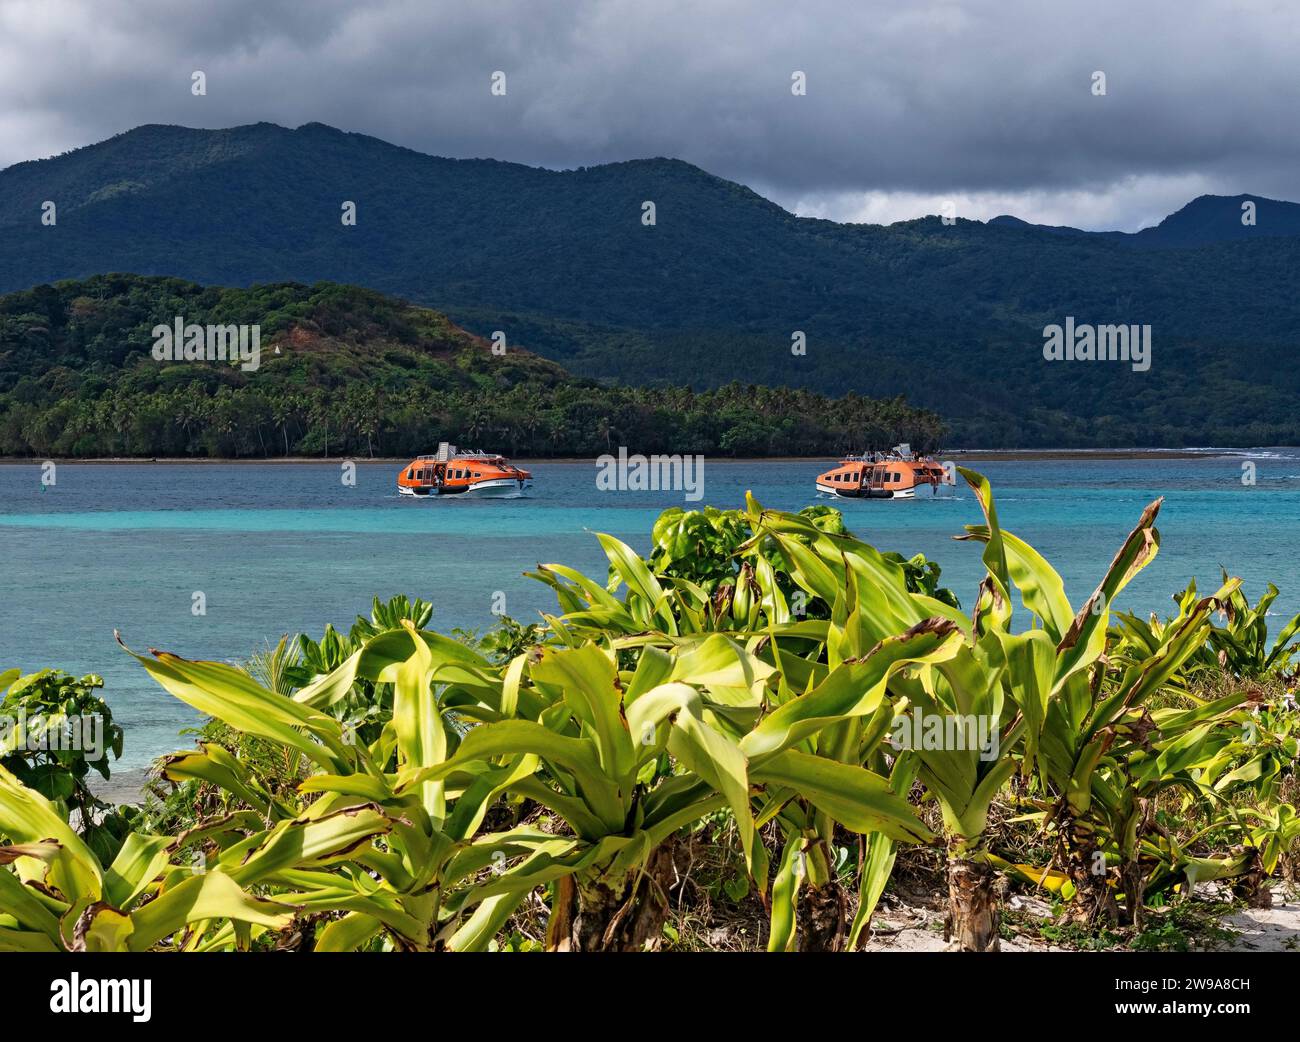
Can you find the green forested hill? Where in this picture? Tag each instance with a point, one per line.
(349, 371)
(951, 316)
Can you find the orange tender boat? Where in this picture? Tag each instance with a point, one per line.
(454, 473)
(893, 475)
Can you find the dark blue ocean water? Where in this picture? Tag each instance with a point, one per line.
(282, 548)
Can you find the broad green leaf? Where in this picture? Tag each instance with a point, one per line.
(137, 865)
(211, 895)
(853, 796)
(854, 689)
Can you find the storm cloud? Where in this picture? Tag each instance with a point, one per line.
(989, 105)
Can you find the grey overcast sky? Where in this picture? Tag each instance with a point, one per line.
(987, 103)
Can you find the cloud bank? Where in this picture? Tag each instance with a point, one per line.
(988, 105)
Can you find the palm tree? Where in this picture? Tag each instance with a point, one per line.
(282, 409)
(320, 413)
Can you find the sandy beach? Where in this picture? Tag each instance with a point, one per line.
(124, 787)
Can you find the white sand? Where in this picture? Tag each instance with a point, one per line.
(1275, 929)
(908, 928)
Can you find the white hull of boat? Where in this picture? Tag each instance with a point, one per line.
(496, 488)
(831, 490)
(499, 488)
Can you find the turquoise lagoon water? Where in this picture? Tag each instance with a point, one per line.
(283, 548)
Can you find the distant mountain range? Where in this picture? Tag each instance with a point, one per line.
(717, 288)
(1205, 221)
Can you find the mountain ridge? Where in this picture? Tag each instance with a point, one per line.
(1206, 220)
(1179, 218)
(715, 290)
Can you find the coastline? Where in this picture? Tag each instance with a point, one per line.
(124, 788)
(991, 455)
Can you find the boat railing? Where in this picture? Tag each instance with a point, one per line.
(476, 454)
(885, 457)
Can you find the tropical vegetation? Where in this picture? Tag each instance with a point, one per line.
(762, 690)
(346, 372)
